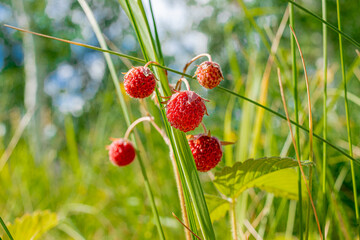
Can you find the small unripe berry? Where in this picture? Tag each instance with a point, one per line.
(139, 82)
(185, 110)
(121, 152)
(207, 151)
(209, 74)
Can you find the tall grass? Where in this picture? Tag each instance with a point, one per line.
(109, 206)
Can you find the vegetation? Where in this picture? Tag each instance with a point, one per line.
(62, 99)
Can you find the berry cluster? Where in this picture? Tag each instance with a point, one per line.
(184, 111)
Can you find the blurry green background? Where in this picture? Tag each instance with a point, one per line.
(60, 162)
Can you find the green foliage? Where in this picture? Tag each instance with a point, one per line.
(32, 226)
(218, 207)
(270, 174)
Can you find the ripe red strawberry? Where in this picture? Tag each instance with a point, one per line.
(185, 110)
(121, 152)
(207, 151)
(209, 74)
(139, 82)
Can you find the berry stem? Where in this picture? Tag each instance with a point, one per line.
(196, 58)
(204, 127)
(153, 63)
(178, 84)
(133, 125)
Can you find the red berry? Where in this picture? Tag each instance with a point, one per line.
(209, 74)
(139, 82)
(207, 151)
(185, 110)
(121, 152)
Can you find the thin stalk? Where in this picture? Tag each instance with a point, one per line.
(298, 156)
(178, 139)
(264, 87)
(324, 31)
(196, 58)
(311, 156)
(233, 219)
(158, 45)
(6, 229)
(291, 121)
(347, 117)
(332, 27)
(78, 44)
(191, 77)
(111, 67)
(186, 227)
(296, 103)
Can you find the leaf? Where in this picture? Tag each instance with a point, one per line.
(32, 226)
(218, 207)
(272, 174)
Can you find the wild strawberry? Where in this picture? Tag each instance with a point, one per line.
(209, 74)
(207, 151)
(121, 152)
(139, 82)
(185, 110)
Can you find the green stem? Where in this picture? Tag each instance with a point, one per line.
(308, 212)
(233, 218)
(291, 121)
(296, 102)
(347, 116)
(189, 76)
(6, 229)
(332, 27)
(111, 67)
(324, 29)
(151, 196)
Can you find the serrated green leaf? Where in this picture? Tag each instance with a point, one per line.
(218, 207)
(272, 174)
(32, 226)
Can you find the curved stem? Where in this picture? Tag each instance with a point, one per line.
(194, 59)
(152, 63)
(176, 171)
(178, 84)
(297, 154)
(204, 127)
(133, 125)
(311, 157)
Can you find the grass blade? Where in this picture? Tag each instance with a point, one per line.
(297, 153)
(6, 229)
(189, 76)
(347, 116)
(296, 105)
(177, 138)
(324, 28)
(111, 67)
(350, 39)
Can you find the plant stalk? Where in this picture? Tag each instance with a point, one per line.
(296, 103)
(347, 117)
(233, 219)
(324, 31)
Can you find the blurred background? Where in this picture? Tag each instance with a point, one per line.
(59, 101)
